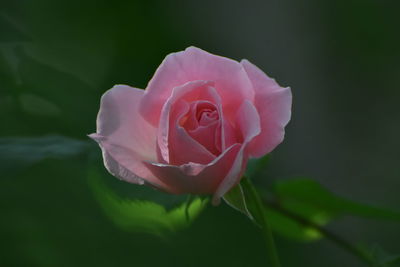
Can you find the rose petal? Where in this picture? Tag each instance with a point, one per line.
(120, 121)
(125, 137)
(206, 135)
(186, 149)
(248, 122)
(193, 178)
(231, 81)
(119, 171)
(274, 107)
(176, 146)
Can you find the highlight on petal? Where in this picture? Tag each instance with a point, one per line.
(125, 137)
(120, 121)
(229, 76)
(274, 108)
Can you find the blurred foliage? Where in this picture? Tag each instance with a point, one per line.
(19, 153)
(296, 208)
(71, 98)
(380, 257)
(146, 210)
(144, 214)
(311, 200)
(10, 32)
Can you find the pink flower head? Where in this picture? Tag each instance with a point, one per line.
(195, 126)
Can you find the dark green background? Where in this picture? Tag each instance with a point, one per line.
(341, 59)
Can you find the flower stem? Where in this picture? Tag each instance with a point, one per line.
(262, 220)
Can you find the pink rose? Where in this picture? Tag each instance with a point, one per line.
(195, 126)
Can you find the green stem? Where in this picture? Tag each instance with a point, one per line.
(262, 220)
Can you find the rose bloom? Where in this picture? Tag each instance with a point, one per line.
(195, 126)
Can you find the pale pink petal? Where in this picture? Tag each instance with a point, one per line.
(231, 81)
(196, 178)
(176, 146)
(202, 123)
(230, 135)
(206, 135)
(125, 137)
(120, 121)
(127, 165)
(274, 107)
(119, 171)
(248, 122)
(186, 149)
(190, 122)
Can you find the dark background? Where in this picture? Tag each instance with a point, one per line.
(341, 59)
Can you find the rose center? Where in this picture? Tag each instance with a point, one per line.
(201, 113)
(202, 123)
(206, 115)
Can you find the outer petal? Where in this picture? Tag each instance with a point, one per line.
(118, 170)
(274, 107)
(196, 178)
(125, 137)
(248, 122)
(229, 77)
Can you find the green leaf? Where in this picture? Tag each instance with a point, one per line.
(311, 200)
(237, 200)
(296, 208)
(290, 228)
(17, 153)
(144, 214)
(279, 222)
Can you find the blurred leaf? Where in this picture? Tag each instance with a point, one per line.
(143, 193)
(7, 76)
(17, 153)
(290, 228)
(279, 222)
(38, 106)
(76, 101)
(236, 199)
(10, 32)
(296, 208)
(311, 200)
(139, 215)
